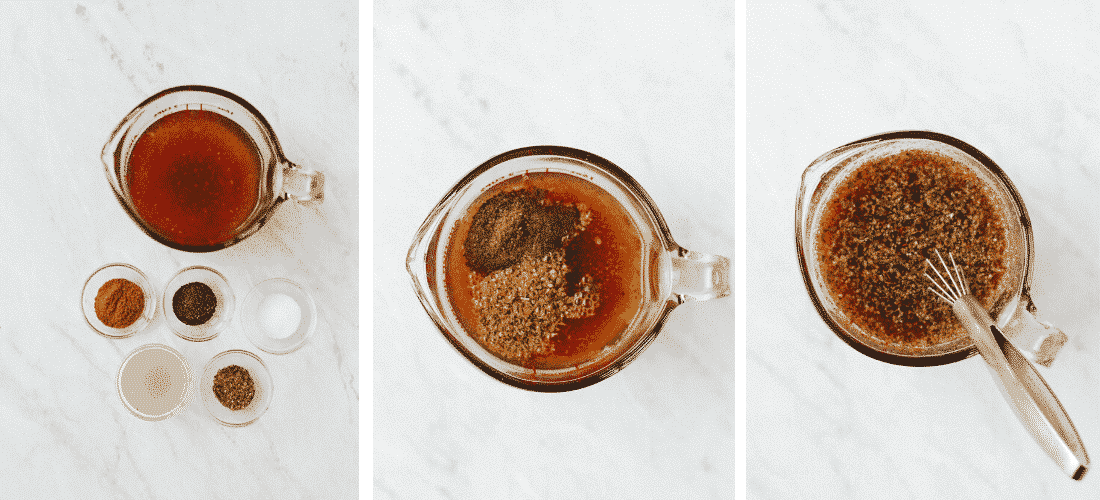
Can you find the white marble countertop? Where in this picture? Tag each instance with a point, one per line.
(69, 72)
(1021, 84)
(651, 90)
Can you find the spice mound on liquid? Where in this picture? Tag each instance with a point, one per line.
(516, 252)
(234, 388)
(514, 224)
(119, 303)
(885, 219)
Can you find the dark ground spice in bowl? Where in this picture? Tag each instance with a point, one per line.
(194, 303)
(234, 388)
(884, 220)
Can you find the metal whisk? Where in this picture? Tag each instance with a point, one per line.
(952, 290)
(1026, 392)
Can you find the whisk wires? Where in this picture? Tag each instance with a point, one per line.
(953, 287)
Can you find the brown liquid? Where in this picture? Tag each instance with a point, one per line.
(885, 219)
(194, 176)
(609, 250)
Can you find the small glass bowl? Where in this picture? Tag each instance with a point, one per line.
(252, 319)
(108, 273)
(155, 382)
(223, 311)
(261, 378)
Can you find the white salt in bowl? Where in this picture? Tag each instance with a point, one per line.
(278, 315)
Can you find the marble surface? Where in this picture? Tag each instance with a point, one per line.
(1019, 82)
(648, 88)
(69, 72)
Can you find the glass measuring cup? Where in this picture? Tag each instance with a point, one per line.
(1013, 312)
(276, 178)
(671, 274)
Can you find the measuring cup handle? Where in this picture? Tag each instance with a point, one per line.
(303, 185)
(699, 276)
(1037, 340)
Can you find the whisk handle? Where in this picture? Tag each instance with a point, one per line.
(1025, 390)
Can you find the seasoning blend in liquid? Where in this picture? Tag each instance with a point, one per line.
(545, 270)
(885, 219)
(194, 176)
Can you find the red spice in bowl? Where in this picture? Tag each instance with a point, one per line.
(119, 303)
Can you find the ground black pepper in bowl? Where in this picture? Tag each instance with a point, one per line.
(234, 388)
(194, 303)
